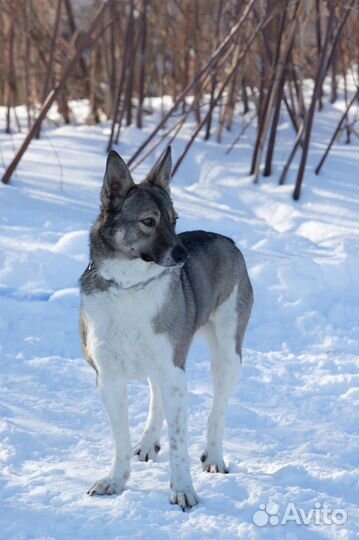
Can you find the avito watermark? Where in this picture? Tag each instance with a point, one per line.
(270, 514)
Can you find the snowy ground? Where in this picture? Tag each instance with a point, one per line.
(291, 435)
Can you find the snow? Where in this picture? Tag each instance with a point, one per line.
(291, 435)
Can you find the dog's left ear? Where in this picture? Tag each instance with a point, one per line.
(160, 175)
(117, 180)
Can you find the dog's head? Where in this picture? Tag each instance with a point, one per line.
(138, 220)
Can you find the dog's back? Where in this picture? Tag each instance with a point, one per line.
(214, 270)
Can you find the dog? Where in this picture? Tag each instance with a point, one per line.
(144, 295)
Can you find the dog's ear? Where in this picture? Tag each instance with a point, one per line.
(117, 180)
(160, 175)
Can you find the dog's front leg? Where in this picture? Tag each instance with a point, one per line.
(149, 445)
(113, 391)
(174, 397)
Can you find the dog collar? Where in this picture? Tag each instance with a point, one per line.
(91, 267)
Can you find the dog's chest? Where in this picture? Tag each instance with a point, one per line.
(120, 329)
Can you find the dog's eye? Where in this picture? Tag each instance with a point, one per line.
(149, 222)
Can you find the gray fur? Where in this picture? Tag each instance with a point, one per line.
(213, 268)
(91, 281)
(160, 175)
(117, 180)
(142, 201)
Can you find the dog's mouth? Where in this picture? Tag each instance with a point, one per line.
(147, 258)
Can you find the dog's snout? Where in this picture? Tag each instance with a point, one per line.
(179, 254)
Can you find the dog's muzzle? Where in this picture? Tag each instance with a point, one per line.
(179, 254)
(173, 257)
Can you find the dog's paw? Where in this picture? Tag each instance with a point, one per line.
(106, 486)
(185, 499)
(146, 451)
(213, 465)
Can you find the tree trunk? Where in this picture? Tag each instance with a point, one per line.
(214, 76)
(87, 41)
(141, 97)
(49, 69)
(336, 131)
(310, 116)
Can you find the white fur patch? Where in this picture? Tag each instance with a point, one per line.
(120, 335)
(129, 273)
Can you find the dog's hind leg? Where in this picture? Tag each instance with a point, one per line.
(223, 337)
(149, 445)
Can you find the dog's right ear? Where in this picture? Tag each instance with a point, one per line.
(117, 180)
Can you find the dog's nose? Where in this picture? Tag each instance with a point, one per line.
(179, 254)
